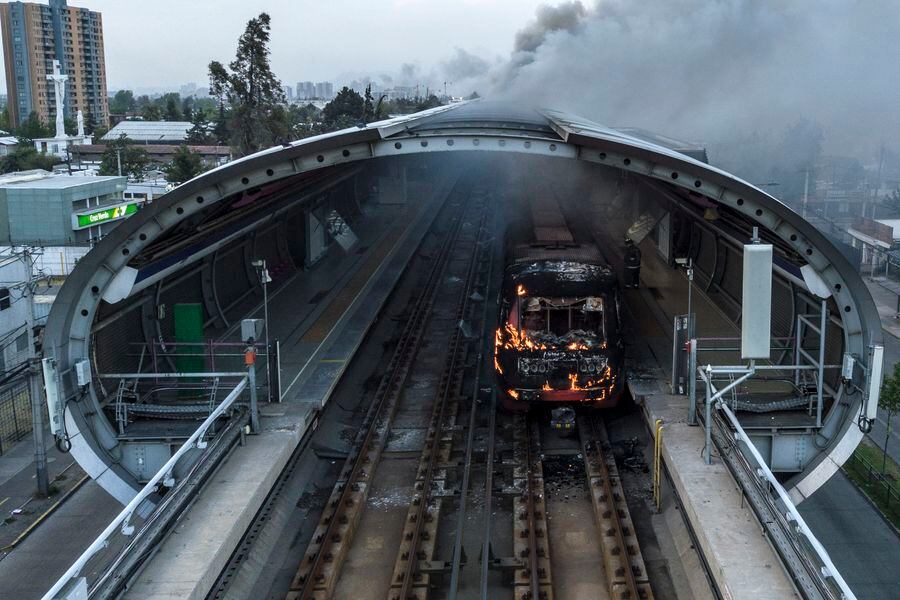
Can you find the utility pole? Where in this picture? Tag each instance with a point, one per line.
(34, 380)
(264, 279)
(119, 160)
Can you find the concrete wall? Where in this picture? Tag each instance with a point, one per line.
(13, 348)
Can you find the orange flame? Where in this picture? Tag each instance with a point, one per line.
(520, 290)
(518, 340)
(546, 387)
(513, 393)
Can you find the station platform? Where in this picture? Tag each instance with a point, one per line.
(320, 318)
(741, 561)
(739, 557)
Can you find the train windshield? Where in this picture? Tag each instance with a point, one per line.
(572, 322)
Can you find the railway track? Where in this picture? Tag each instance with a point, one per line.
(623, 573)
(320, 568)
(626, 574)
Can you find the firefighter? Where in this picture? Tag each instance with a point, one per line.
(632, 264)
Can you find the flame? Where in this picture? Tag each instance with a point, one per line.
(497, 365)
(576, 346)
(546, 387)
(520, 290)
(513, 393)
(590, 384)
(518, 340)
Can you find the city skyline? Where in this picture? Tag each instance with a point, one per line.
(331, 47)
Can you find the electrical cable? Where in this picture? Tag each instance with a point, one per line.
(63, 443)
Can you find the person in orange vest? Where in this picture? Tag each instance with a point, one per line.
(632, 264)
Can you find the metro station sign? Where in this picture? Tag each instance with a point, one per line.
(110, 213)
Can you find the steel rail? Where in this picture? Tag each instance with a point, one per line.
(534, 569)
(364, 456)
(470, 439)
(446, 405)
(532, 578)
(488, 495)
(622, 559)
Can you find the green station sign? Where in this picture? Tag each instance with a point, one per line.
(109, 213)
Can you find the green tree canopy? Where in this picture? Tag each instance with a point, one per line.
(171, 106)
(250, 96)
(26, 158)
(199, 134)
(4, 120)
(346, 110)
(185, 166)
(31, 129)
(123, 102)
(187, 109)
(133, 159)
(151, 112)
(368, 104)
(889, 401)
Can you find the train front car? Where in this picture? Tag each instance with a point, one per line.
(558, 340)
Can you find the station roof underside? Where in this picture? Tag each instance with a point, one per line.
(470, 127)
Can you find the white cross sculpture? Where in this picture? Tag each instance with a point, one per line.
(59, 84)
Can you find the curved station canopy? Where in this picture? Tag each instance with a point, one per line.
(186, 245)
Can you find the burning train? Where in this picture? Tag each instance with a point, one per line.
(558, 340)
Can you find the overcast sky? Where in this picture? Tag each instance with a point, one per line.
(165, 43)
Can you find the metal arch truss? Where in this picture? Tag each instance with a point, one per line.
(68, 333)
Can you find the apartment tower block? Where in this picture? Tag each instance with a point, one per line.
(34, 35)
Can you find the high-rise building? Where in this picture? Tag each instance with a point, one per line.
(288, 93)
(34, 35)
(325, 90)
(306, 90)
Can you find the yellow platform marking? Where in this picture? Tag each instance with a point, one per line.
(339, 305)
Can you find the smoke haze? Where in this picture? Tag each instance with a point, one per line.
(712, 71)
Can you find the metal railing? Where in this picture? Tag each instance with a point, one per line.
(818, 563)
(15, 413)
(888, 492)
(164, 476)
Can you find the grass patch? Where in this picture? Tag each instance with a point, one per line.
(863, 469)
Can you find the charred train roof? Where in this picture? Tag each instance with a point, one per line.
(559, 277)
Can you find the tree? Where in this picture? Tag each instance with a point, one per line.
(171, 106)
(368, 105)
(346, 110)
(26, 158)
(4, 119)
(889, 401)
(122, 102)
(198, 134)
(253, 95)
(892, 201)
(99, 131)
(31, 129)
(185, 166)
(151, 112)
(221, 130)
(431, 101)
(187, 109)
(133, 159)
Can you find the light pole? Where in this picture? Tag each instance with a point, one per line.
(34, 384)
(264, 278)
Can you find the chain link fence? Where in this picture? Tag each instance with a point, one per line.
(15, 413)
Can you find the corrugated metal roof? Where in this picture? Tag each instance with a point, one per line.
(150, 131)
